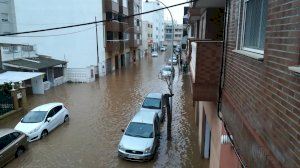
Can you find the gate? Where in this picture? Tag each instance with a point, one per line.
(6, 103)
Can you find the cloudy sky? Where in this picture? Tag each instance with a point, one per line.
(177, 12)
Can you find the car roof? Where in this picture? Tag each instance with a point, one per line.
(154, 95)
(5, 131)
(46, 107)
(144, 116)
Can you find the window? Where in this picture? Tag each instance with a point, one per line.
(4, 17)
(57, 109)
(51, 113)
(4, 141)
(254, 24)
(137, 22)
(125, 3)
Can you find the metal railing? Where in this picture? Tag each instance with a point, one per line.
(6, 104)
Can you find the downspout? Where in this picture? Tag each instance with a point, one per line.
(222, 79)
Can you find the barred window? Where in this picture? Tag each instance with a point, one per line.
(255, 16)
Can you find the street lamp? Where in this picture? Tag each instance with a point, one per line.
(170, 84)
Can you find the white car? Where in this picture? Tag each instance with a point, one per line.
(41, 120)
(153, 103)
(163, 48)
(167, 71)
(140, 139)
(173, 60)
(154, 54)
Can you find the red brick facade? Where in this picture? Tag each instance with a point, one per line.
(261, 99)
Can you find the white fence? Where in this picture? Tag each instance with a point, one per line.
(59, 81)
(80, 74)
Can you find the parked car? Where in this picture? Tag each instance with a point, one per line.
(154, 54)
(167, 71)
(41, 120)
(173, 60)
(153, 103)
(141, 137)
(163, 48)
(12, 144)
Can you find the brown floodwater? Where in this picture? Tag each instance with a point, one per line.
(98, 112)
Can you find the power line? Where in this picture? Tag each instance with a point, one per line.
(63, 34)
(95, 22)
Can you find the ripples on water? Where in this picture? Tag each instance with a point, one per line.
(99, 110)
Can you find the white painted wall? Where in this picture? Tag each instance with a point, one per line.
(157, 19)
(79, 49)
(7, 12)
(37, 85)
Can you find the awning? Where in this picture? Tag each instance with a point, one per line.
(33, 63)
(14, 76)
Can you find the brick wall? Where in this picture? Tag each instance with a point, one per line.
(207, 70)
(262, 98)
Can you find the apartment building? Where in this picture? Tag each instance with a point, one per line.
(244, 61)
(178, 32)
(117, 52)
(135, 30)
(7, 17)
(157, 19)
(147, 36)
(78, 45)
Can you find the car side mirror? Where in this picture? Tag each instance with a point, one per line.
(48, 119)
(122, 130)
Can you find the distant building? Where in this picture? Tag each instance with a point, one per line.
(77, 46)
(7, 17)
(178, 30)
(147, 39)
(157, 19)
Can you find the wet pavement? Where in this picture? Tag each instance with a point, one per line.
(98, 112)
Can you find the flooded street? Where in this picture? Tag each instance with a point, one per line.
(98, 112)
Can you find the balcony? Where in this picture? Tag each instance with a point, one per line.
(205, 68)
(111, 5)
(112, 46)
(113, 26)
(134, 43)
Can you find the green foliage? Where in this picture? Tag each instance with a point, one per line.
(5, 89)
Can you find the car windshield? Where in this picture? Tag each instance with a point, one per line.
(167, 69)
(34, 117)
(151, 103)
(141, 130)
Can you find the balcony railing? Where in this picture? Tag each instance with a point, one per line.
(205, 65)
(113, 26)
(135, 43)
(112, 46)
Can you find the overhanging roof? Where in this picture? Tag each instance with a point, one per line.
(13, 76)
(33, 63)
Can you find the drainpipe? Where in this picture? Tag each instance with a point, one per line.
(222, 79)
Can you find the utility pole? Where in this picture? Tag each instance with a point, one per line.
(97, 44)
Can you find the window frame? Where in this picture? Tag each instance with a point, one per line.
(242, 31)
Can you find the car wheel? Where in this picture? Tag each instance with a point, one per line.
(19, 152)
(66, 119)
(44, 134)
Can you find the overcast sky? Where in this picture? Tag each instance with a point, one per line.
(177, 12)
